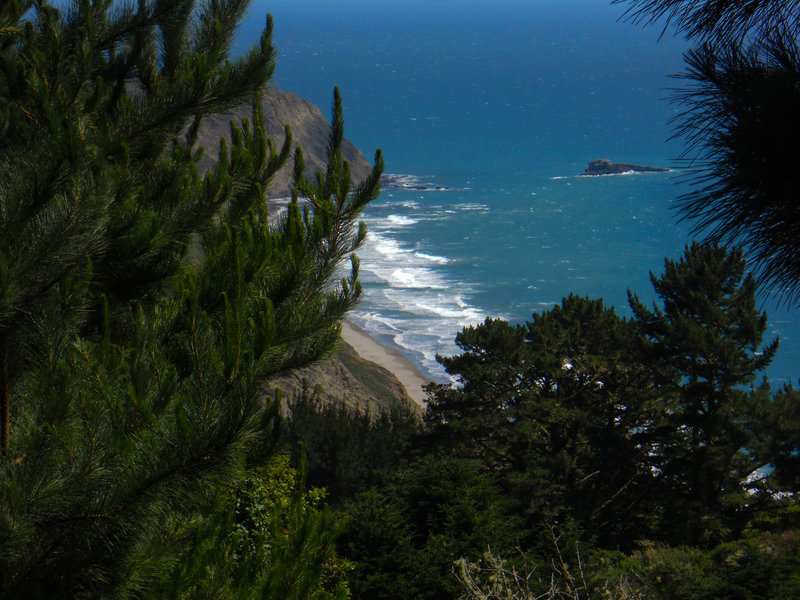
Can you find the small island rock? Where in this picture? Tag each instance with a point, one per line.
(604, 166)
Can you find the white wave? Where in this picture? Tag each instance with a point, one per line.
(395, 222)
(439, 260)
(421, 322)
(409, 298)
(386, 246)
(438, 310)
(419, 341)
(443, 305)
(472, 206)
(415, 278)
(625, 173)
(461, 303)
(400, 220)
(387, 325)
(401, 267)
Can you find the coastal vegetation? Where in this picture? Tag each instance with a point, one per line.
(644, 457)
(738, 99)
(144, 302)
(142, 305)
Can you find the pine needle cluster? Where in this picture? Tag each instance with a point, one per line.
(142, 303)
(740, 124)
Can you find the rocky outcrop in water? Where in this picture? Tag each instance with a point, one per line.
(604, 166)
(394, 181)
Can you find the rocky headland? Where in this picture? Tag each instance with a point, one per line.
(345, 376)
(310, 130)
(604, 166)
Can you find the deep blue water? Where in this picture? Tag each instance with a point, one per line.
(504, 102)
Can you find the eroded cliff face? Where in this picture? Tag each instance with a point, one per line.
(343, 377)
(310, 129)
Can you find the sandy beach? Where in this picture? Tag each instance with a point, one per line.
(409, 374)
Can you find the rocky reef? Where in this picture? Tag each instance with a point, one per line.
(604, 166)
(393, 181)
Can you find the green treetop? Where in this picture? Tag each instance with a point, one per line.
(628, 429)
(142, 303)
(704, 346)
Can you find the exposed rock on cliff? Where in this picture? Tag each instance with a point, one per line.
(310, 130)
(604, 166)
(345, 376)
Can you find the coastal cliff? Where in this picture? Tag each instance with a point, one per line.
(344, 377)
(310, 130)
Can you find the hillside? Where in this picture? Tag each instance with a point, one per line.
(310, 130)
(345, 376)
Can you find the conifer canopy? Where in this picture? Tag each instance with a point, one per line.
(142, 303)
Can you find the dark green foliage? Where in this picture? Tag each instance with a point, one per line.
(740, 114)
(760, 566)
(348, 451)
(627, 430)
(709, 330)
(142, 304)
(559, 408)
(405, 536)
(642, 443)
(619, 437)
(704, 345)
(410, 514)
(776, 432)
(740, 123)
(268, 539)
(714, 19)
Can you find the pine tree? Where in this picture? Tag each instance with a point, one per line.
(704, 347)
(649, 428)
(740, 124)
(776, 438)
(142, 303)
(559, 407)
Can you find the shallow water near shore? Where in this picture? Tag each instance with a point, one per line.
(492, 109)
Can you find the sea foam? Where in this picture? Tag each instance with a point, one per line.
(413, 301)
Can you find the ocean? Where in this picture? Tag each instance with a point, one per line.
(487, 111)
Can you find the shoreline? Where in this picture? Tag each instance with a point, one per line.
(410, 375)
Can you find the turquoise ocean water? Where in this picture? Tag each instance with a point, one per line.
(503, 103)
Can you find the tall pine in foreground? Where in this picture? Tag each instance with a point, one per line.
(739, 123)
(142, 303)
